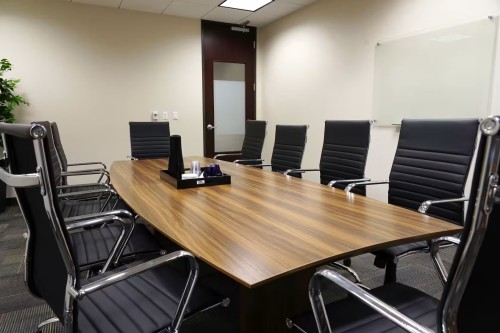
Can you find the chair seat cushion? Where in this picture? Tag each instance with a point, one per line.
(72, 208)
(348, 316)
(93, 246)
(143, 303)
(390, 253)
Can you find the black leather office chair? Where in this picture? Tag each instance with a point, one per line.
(117, 239)
(253, 142)
(432, 161)
(149, 139)
(150, 296)
(288, 150)
(84, 168)
(396, 307)
(344, 153)
(79, 199)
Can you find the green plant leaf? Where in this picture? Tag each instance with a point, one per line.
(8, 99)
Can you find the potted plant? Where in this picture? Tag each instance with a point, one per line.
(8, 102)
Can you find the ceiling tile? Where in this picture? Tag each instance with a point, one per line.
(105, 3)
(226, 15)
(212, 3)
(187, 9)
(258, 21)
(279, 8)
(300, 2)
(207, 9)
(152, 6)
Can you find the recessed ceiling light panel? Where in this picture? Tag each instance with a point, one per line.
(250, 5)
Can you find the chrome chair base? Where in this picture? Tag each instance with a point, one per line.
(46, 322)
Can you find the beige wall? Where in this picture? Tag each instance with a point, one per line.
(94, 69)
(317, 64)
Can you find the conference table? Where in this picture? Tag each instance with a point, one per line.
(265, 231)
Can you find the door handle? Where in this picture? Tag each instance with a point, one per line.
(210, 127)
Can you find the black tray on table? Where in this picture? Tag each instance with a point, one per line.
(195, 182)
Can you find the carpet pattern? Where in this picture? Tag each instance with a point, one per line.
(21, 312)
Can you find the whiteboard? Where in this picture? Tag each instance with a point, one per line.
(445, 73)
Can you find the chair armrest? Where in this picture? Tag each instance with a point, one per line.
(333, 182)
(248, 160)
(93, 222)
(118, 215)
(361, 294)
(90, 185)
(260, 165)
(436, 258)
(87, 172)
(227, 154)
(87, 195)
(121, 242)
(427, 204)
(89, 163)
(84, 172)
(83, 193)
(120, 276)
(123, 213)
(298, 171)
(349, 187)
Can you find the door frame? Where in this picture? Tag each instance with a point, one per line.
(222, 44)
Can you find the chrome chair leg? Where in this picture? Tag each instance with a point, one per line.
(46, 322)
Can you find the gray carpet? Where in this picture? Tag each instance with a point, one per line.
(21, 312)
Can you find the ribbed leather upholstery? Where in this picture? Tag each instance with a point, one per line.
(93, 246)
(149, 139)
(289, 144)
(345, 148)
(60, 164)
(54, 158)
(349, 315)
(143, 303)
(432, 161)
(255, 132)
(473, 314)
(71, 208)
(58, 154)
(46, 274)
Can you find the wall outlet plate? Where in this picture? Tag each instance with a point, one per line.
(154, 115)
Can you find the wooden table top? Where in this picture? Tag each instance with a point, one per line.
(265, 225)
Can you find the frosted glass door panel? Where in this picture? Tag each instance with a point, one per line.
(445, 73)
(229, 106)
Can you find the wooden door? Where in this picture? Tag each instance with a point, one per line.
(229, 58)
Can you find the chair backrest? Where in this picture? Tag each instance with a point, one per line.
(58, 155)
(255, 133)
(463, 307)
(432, 161)
(49, 264)
(289, 144)
(149, 139)
(345, 148)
